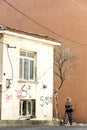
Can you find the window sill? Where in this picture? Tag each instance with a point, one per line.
(27, 117)
(26, 81)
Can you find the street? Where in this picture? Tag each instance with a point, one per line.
(43, 128)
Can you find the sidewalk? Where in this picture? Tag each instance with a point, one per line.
(76, 124)
(79, 124)
(27, 122)
(73, 124)
(35, 122)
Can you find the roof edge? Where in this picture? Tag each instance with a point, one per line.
(12, 31)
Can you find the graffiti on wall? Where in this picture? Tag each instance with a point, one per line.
(8, 97)
(19, 93)
(25, 91)
(45, 100)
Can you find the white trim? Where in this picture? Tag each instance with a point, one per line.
(30, 37)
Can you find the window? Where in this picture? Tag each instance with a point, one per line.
(27, 107)
(27, 65)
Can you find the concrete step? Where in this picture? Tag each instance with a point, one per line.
(26, 122)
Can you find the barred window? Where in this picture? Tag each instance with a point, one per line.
(27, 107)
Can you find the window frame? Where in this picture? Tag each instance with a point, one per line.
(27, 113)
(31, 58)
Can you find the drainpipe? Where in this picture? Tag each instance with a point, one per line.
(8, 81)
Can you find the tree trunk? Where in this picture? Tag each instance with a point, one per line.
(56, 105)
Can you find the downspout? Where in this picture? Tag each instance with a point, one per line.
(8, 81)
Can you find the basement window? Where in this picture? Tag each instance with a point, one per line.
(27, 108)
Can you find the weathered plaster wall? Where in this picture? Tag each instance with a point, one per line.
(43, 96)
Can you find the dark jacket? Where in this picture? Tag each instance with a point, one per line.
(69, 107)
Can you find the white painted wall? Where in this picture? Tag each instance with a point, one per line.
(1, 58)
(43, 96)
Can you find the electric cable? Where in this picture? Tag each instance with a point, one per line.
(10, 63)
(41, 25)
(79, 5)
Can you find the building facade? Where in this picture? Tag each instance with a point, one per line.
(68, 19)
(26, 75)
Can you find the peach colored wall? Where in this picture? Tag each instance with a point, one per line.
(67, 18)
(75, 86)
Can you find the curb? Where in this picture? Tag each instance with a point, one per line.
(36, 122)
(27, 122)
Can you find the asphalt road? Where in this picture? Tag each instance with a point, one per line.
(44, 128)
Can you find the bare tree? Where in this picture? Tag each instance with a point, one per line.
(63, 62)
